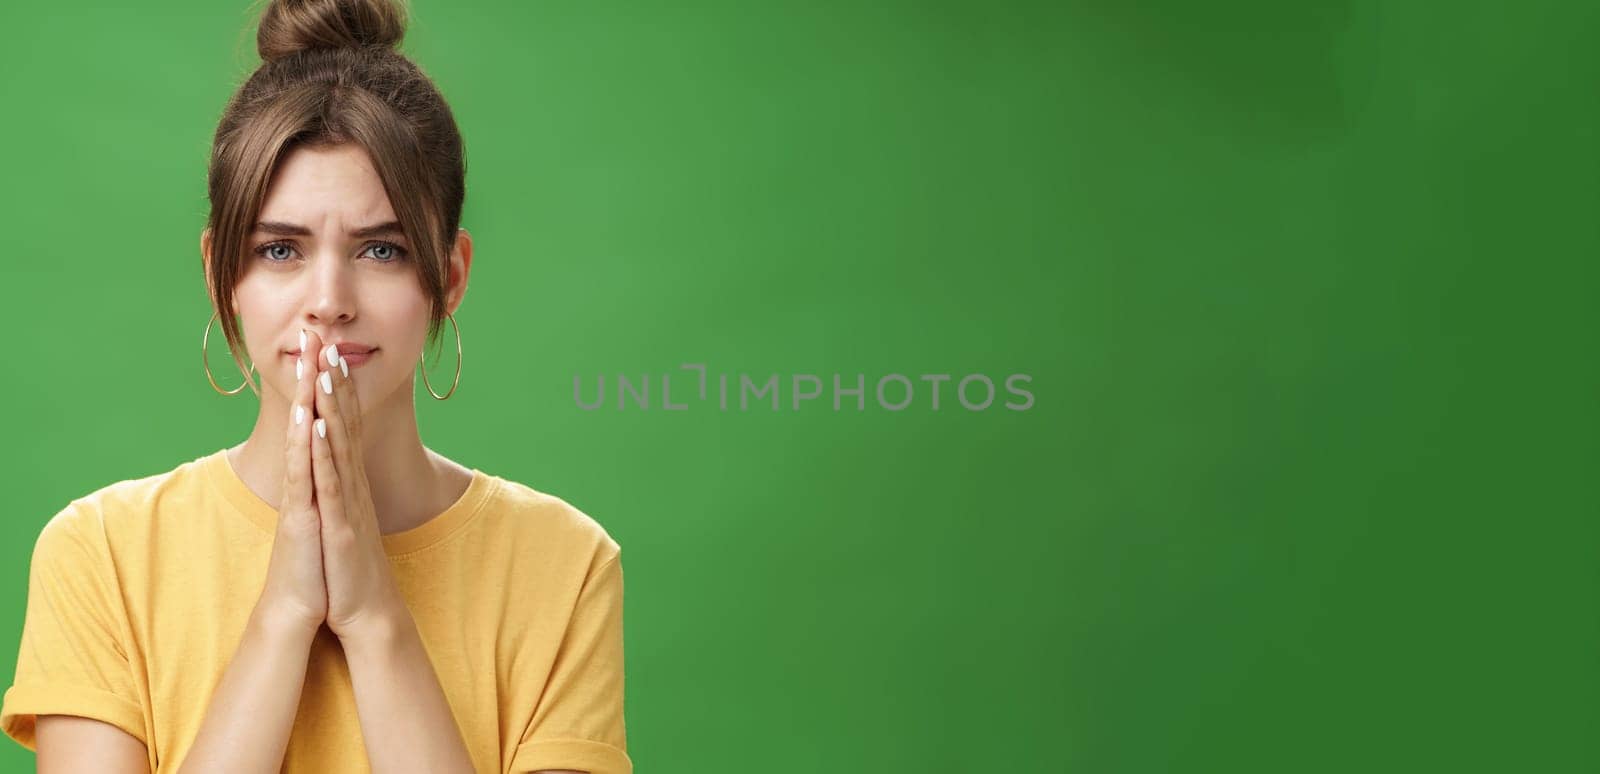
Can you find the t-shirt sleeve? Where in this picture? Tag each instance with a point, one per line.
(578, 724)
(71, 660)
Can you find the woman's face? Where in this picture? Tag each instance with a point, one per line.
(327, 255)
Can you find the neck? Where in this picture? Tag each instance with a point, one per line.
(403, 474)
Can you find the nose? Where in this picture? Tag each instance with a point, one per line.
(330, 298)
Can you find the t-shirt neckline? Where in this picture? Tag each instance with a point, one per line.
(219, 470)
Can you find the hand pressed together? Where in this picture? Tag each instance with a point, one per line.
(363, 599)
(328, 563)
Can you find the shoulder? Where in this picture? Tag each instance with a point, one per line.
(94, 518)
(550, 519)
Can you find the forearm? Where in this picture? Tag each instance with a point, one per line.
(405, 718)
(251, 712)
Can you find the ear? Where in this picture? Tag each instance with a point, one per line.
(205, 253)
(205, 263)
(460, 267)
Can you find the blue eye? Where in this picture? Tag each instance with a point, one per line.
(382, 252)
(392, 252)
(266, 251)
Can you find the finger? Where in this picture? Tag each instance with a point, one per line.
(297, 481)
(329, 408)
(330, 495)
(347, 447)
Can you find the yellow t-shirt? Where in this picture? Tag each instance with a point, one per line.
(138, 594)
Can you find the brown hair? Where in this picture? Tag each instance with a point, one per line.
(330, 73)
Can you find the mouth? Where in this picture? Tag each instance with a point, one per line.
(353, 358)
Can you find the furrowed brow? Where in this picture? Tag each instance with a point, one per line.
(390, 228)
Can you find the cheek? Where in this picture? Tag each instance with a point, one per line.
(379, 377)
(256, 302)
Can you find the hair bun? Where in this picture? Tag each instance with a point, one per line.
(291, 26)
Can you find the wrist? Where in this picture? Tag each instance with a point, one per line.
(380, 629)
(281, 621)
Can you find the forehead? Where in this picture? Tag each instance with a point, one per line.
(313, 185)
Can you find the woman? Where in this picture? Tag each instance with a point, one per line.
(328, 595)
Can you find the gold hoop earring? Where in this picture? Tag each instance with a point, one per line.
(423, 364)
(206, 362)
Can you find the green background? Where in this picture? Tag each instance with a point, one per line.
(1307, 292)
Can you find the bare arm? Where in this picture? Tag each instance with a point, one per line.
(400, 702)
(69, 743)
(247, 723)
(252, 709)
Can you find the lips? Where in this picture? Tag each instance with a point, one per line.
(353, 354)
(357, 358)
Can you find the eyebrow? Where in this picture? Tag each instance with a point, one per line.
(293, 229)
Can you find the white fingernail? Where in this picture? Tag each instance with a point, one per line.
(327, 382)
(322, 429)
(333, 354)
(302, 340)
(299, 368)
(299, 414)
(344, 369)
